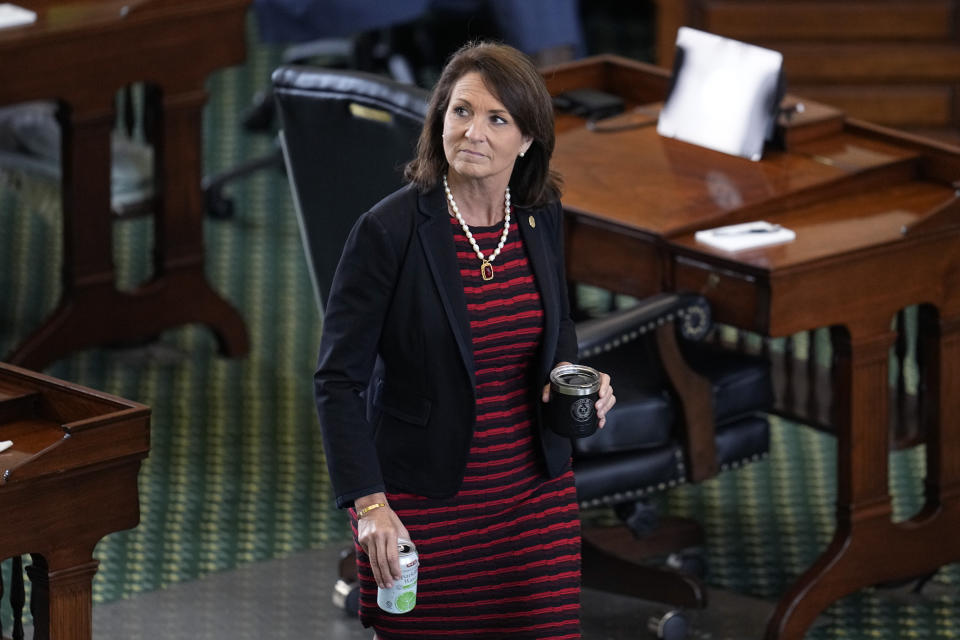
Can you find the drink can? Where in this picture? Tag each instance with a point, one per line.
(402, 596)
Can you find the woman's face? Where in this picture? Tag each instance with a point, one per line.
(480, 137)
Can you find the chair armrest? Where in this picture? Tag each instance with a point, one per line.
(659, 318)
(695, 395)
(620, 327)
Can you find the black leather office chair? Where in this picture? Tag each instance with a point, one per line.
(345, 136)
(370, 38)
(683, 411)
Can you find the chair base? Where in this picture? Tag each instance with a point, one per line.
(616, 561)
(218, 204)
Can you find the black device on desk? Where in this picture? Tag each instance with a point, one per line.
(588, 103)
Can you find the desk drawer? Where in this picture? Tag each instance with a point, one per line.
(736, 298)
(614, 260)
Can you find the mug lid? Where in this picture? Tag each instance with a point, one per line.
(575, 380)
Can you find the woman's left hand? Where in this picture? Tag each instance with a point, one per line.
(604, 403)
(606, 400)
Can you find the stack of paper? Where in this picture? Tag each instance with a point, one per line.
(12, 15)
(746, 235)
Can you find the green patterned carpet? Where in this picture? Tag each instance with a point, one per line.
(236, 472)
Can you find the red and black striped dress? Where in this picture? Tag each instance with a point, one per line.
(501, 559)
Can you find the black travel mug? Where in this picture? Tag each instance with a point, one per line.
(572, 410)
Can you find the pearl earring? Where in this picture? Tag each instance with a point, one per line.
(521, 153)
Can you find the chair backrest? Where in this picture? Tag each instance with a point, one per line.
(346, 136)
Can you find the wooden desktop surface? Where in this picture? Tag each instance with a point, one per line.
(877, 218)
(81, 53)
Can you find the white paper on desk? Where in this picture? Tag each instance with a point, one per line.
(5, 444)
(12, 15)
(746, 235)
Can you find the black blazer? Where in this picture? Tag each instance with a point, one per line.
(395, 386)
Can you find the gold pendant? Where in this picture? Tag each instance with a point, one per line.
(486, 270)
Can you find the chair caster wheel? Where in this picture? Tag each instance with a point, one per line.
(346, 596)
(218, 205)
(672, 625)
(347, 565)
(691, 563)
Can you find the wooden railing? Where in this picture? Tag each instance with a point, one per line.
(38, 593)
(804, 367)
(16, 596)
(36, 572)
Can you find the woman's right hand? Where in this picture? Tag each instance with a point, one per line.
(377, 533)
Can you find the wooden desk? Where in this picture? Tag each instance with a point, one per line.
(69, 479)
(82, 53)
(877, 217)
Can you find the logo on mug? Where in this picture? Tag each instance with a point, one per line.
(581, 410)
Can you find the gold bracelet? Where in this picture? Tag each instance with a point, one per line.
(369, 508)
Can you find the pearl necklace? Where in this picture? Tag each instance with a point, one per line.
(486, 269)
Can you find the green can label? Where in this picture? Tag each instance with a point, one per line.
(402, 596)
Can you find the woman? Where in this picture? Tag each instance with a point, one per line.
(446, 315)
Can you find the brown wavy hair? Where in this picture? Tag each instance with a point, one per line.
(514, 80)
